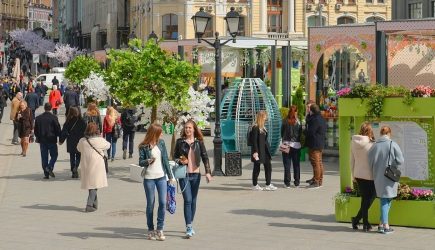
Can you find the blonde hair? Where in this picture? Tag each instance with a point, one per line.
(24, 102)
(112, 114)
(92, 110)
(261, 119)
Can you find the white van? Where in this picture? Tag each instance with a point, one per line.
(47, 78)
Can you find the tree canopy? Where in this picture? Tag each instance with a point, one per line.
(80, 68)
(148, 75)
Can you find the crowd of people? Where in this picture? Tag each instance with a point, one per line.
(88, 136)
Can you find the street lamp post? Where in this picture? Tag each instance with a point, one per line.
(200, 22)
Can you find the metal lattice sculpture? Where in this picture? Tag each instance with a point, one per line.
(238, 109)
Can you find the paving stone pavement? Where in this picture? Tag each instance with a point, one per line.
(49, 214)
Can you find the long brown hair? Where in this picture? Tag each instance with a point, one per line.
(73, 112)
(366, 130)
(92, 109)
(196, 131)
(292, 115)
(152, 135)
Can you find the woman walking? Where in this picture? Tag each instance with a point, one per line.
(383, 153)
(362, 173)
(72, 131)
(92, 114)
(92, 169)
(111, 120)
(153, 157)
(55, 99)
(260, 153)
(24, 120)
(291, 131)
(190, 150)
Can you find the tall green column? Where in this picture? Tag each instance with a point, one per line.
(344, 153)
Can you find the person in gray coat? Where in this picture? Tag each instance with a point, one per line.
(386, 189)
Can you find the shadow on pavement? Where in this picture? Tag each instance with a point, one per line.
(285, 214)
(224, 188)
(314, 227)
(11, 154)
(60, 176)
(54, 207)
(120, 233)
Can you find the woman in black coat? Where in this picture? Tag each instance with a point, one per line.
(260, 151)
(72, 131)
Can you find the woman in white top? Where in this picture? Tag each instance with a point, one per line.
(153, 157)
(362, 173)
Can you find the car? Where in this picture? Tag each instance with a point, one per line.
(47, 78)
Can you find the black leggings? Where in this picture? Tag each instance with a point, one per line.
(267, 172)
(368, 195)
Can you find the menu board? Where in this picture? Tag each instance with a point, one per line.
(412, 140)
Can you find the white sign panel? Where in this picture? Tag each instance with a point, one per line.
(35, 58)
(230, 61)
(412, 140)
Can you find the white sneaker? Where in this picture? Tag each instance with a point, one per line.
(257, 188)
(270, 187)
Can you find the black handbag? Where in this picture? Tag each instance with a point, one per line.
(106, 162)
(392, 173)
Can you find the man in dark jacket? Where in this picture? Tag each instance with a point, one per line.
(55, 82)
(70, 98)
(32, 100)
(40, 92)
(315, 140)
(3, 100)
(47, 130)
(128, 120)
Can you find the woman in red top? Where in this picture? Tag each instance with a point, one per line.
(112, 130)
(55, 99)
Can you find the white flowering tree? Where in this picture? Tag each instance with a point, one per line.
(95, 87)
(63, 53)
(32, 42)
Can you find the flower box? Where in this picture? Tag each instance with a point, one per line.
(402, 213)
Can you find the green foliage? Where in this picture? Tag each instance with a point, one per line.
(298, 100)
(360, 91)
(149, 75)
(80, 68)
(284, 112)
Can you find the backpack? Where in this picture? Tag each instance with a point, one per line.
(129, 121)
(250, 136)
(116, 131)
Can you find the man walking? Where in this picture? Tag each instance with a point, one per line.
(32, 100)
(315, 140)
(70, 99)
(47, 130)
(55, 82)
(15, 105)
(3, 100)
(40, 92)
(128, 120)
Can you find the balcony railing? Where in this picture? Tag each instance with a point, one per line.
(277, 35)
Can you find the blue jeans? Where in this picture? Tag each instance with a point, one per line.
(150, 186)
(46, 149)
(292, 157)
(128, 138)
(112, 150)
(385, 209)
(189, 195)
(74, 160)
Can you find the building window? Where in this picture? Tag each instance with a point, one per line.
(369, 1)
(242, 26)
(415, 10)
(373, 19)
(170, 27)
(314, 21)
(345, 20)
(433, 9)
(274, 16)
(381, 1)
(351, 2)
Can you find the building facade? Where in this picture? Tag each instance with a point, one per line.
(413, 9)
(40, 15)
(275, 19)
(13, 15)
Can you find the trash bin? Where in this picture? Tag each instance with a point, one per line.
(233, 163)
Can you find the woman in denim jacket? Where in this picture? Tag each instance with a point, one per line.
(189, 150)
(153, 157)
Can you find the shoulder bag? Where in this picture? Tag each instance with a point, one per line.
(392, 173)
(106, 163)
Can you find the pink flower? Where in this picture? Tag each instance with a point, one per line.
(344, 91)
